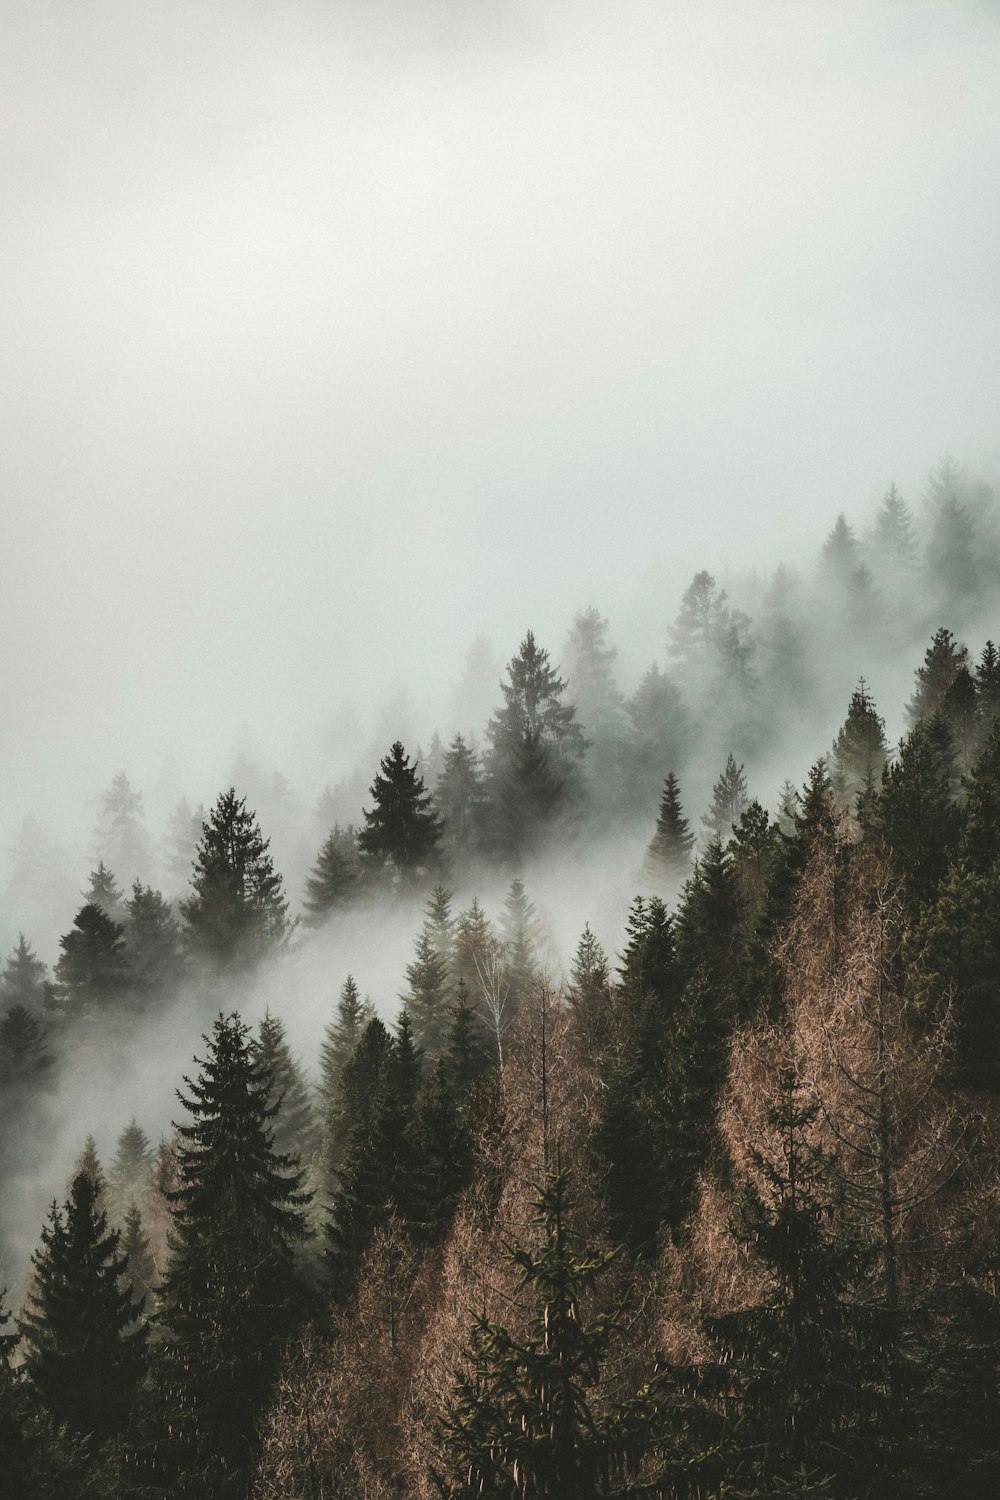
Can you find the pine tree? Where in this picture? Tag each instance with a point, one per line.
(588, 993)
(699, 626)
(860, 750)
(536, 747)
(460, 794)
(427, 993)
(519, 934)
(338, 879)
(23, 981)
(104, 892)
(658, 734)
(180, 845)
(84, 1357)
(942, 660)
(402, 831)
(443, 1155)
(24, 1057)
(915, 818)
(988, 689)
(152, 944)
(92, 973)
(364, 1077)
(237, 912)
(895, 536)
(295, 1128)
(339, 1041)
(841, 555)
(140, 1267)
(530, 1419)
(466, 1057)
(729, 798)
(668, 858)
(960, 712)
(230, 1296)
(122, 839)
(131, 1170)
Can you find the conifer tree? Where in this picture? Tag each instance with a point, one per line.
(600, 708)
(860, 751)
(295, 1128)
(364, 1078)
(426, 997)
(84, 1356)
(443, 1155)
(536, 747)
(588, 993)
(23, 981)
(402, 831)
(529, 1419)
(140, 1267)
(230, 1295)
(701, 621)
(339, 1041)
(237, 912)
(122, 839)
(466, 1057)
(729, 798)
(180, 845)
(988, 689)
(519, 933)
(104, 892)
(915, 818)
(92, 973)
(895, 536)
(24, 1057)
(960, 712)
(668, 858)
(131, 1170)
(460, 794)
(152, 944)
(338, 880)
(658, 733)
(942, 660)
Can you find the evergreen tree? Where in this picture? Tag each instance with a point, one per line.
(237, 911)
(402, 831)
(942, 660)
(841, 555)
(466, 1058)
(476, 944)
(407, 1061)
(536, 747)
(295, 1128)
(122, 839)
(92, 972)
(152, 944)
(729, 798)
(338, 878)
(700, 624)
(915, 818)
(84, 1357)
(180, 845)
(460, 794)
(140, 1268)
(426, 996)
(339, 1041)
(860, 750)
(590, 668)
(953, 561)
(895, 536)
(24, 1057)
(364, 1079)
(658, 734)
(230, 1296)
(588, 993)
(753, 852)
(960, 712)
(104, 892)
(443, 1154)
(23, 981)
(988, 689)
(519, 935)
(530, 1419)
(131, 1170)
(668, 858)
(803, 1361)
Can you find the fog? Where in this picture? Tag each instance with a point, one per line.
(338, 333)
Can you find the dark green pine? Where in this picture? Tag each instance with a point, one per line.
(402, 831)
(668, 858)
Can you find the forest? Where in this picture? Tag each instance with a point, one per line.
(706, 1205)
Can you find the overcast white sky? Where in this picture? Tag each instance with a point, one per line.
(335, 332)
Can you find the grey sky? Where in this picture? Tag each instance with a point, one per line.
(333, 333)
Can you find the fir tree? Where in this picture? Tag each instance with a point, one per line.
(339, 1041)
(658, 733)
(23, 981)
(122, 839)
(140, 1268)
(152, 944)
(24, 1057)
(131, 1170)
(988, 689)
(960, 712)
(729, 798)
(180, 845)
(915, 818)
(460, 794)
(443, 1155)
(860, 750)
(942, 660)
(529, 1419)
(337, 881)
(237, 912)
(295, 1128)
(104, 892)
(92, 973)
(402, 831)
(668, 858)
(364, 1079)
(895, 536)
(230, 1296)
(519, 934)
(84, 1356)
(588, 993)
(426, 996)
(701, 621)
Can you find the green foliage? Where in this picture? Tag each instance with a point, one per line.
(668, 858)
(295, 1127)
(237, 913)
(402, 831)
(92, 972)
(729, 798)
(860, 750)
(339, 877)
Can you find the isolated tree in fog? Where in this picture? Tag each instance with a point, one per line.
(942, 660)
(860, 749)
(340, 1037)
(895, 537)
(122, 839)
(104, 891)
(461, 798)
(729, 798)
(23, 979)
(668, 858)
(92, 972)
(401, 830)
(237, 912)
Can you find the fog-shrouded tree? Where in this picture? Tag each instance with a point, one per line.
(536, 748)
(340, 1037)
(729, 798)
(105, 892)
(942, 660)
(230, 1296)
(658, 733)
(131, 1171)
(92, 973)
(237, 912)
(25, 1057)
(460, 794)
(668, 858)
(895, 538)
(701, 620)
(152, 944)
(402, 831)
(588, 993)
(295, 1128)
(23, 981)
(338, 879)
(180, 845)
(988, 689)
(860, 750)
(122, 840)
(84, 1353)
(520, 933)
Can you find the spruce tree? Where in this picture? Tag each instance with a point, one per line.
(460, 794)
(122, 839)
(699, 626)
(988, 689)
(237, 912)
(295, 1128)
(915, 818)
(588, 993)
(131, 1170)
(230, 1296)
(92, 973)
(895, 536)
(402, 831)
(84, 1355)
(104, 891)
(426, 995)
(668, 858)
(338, 879)
(860, 751)
(152, 944)
(25, 1059)
(729, 798)
(942, 660)
(658, 733)
(443, 1155)
(339, 1041)
(23, 981)
(180, 845)
(140, 1268)
(519, 935)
